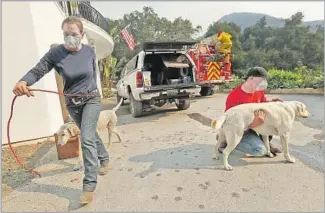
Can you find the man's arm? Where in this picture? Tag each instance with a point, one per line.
(95, 67)
(265, 99)
(271, 99)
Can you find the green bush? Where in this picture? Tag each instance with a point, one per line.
(235, 83)
(301, 77)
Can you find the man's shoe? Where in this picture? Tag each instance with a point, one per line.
(86, 197)
(104, 168)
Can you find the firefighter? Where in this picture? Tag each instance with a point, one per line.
(223, 45)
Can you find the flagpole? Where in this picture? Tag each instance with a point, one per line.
(117, 35)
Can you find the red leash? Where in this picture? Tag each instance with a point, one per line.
(10, 117)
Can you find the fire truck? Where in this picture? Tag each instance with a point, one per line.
(210, 67)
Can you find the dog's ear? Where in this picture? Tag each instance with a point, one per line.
(70, 131)
(301, 109)
(73, 130)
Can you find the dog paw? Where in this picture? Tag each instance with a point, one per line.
(216, 157)
(291, 160)
(228, 168)
(270, 155)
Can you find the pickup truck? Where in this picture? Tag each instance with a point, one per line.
(162, 72)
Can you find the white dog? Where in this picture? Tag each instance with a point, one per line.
(107, 119)
(278, 121)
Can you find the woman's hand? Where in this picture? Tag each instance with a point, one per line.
(21, 88)
(259, 117)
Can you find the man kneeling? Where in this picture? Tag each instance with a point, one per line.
(251, 91)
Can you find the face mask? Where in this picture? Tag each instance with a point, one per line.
(72, 42)
(255, 84)
(262, 85)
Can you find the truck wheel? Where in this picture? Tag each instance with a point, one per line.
(118, 98)
(183, 104)
(212, 92)
(206, 91)
(136, 107)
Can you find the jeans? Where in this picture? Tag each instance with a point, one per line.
(251, 143)
(86, 114)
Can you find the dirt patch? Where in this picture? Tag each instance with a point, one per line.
(319, 136)
(12, 175)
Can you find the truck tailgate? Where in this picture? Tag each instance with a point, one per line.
(169, 87)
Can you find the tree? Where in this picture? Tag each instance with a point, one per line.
(260, 32)
(146, 25)
(295, 20)
(228, 27)
(262, 22)
(287, 47)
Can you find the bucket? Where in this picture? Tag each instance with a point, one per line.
(186, 79)
(69, 150)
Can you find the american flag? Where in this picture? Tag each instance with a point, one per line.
(128, 38)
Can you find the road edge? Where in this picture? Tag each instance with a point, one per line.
(307, 91)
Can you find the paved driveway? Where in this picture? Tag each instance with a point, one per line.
(165, 164)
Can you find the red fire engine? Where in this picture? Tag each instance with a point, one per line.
(210, 71)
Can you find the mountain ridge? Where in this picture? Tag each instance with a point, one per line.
(247, 19)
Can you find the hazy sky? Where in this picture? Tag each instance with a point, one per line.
(205, 12)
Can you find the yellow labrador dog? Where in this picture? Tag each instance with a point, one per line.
(107, 119)
(279, 119)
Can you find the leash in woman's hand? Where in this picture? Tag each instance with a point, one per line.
(10, 117)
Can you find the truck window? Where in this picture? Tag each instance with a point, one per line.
(122, 72)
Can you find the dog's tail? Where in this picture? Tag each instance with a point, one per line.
(118, 105)
(216, 124)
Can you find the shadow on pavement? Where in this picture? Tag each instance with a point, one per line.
(312, 154)
(148, 117)
(72, 195)
(196, 156)
(200, 118)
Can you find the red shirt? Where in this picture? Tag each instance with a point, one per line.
(238, 96)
